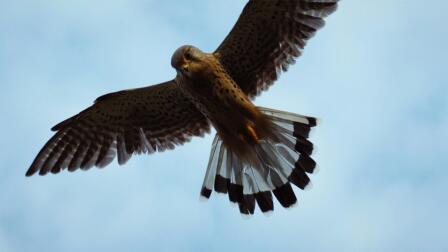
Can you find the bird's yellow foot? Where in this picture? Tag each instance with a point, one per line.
(252, 134)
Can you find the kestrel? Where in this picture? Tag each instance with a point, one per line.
(256, 150)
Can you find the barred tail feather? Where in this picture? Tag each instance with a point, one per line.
(281, 162)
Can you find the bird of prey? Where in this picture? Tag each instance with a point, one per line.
(256, 151)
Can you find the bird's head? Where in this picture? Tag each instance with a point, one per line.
(188, 60)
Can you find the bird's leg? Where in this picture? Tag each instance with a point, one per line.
(249, 135)
(252, 134)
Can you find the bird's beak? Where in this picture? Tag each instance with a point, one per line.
(184, 67)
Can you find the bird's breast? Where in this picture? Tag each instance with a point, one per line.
(222, 101)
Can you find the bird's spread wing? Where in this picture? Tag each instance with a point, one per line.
(267, 38)
(143, 120)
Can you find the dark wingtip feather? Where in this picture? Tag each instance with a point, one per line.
(304, 146)
(43, 172)
(299, 178)
(306, 163)
(56, 170)
(205, 192)
(249, 200)
(264, 201)
(247, 206)
(235, 193)
(301, 130)
(30, 172)
(312, 121)
(221, 184)
(243, 208)
(285, 195)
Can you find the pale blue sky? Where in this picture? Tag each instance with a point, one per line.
(375, 75)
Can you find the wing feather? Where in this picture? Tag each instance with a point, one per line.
(268, 37)
(123, 123)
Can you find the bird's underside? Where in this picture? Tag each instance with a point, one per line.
(257, 151)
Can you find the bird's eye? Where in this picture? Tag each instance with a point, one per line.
(188, 55)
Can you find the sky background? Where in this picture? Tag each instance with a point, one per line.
(375, 75)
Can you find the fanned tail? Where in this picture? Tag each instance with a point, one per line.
(280, 163)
